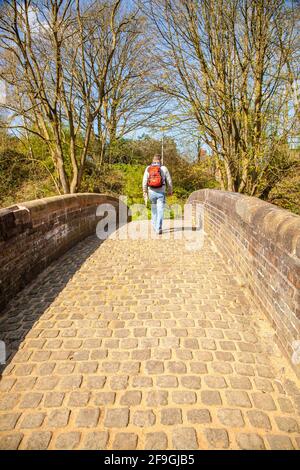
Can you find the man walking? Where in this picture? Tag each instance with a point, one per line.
(156, 179)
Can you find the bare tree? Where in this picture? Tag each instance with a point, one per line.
(73, 67)
(229, 66)
(130, 102)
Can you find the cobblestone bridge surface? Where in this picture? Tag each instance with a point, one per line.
(143, 344)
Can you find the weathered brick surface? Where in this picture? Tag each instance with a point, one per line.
(262, 243)
(35, 233)
(162, 392)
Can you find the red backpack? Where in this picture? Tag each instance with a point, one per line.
(155, 179)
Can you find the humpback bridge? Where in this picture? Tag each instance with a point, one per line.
(143, 343)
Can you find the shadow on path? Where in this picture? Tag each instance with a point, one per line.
(26, 308)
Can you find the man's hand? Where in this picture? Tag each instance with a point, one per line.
(145, 196)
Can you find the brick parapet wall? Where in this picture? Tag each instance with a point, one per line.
(262, 242)
(34, 233)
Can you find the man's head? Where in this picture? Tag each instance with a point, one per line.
(157, 158)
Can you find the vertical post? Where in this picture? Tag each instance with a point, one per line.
(162, 149)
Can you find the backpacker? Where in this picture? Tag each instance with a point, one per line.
(155, 178)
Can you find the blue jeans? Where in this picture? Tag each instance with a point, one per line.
(157, 200)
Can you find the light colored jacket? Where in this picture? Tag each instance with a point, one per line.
(166, 179)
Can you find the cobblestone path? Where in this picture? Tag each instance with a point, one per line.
(143, 344)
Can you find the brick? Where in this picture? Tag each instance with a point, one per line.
(142, 382)
(6, 383)
(191, 343)
(196, 416)
(184, 439)
(263, 384)
(162, 354)
(87, 367)
(156, 441)
(39, 440)
(244, 369)
(118, 355)
(92, 343)
(238, 398)
(8, 421)
(180, 397)
(179, 332)
(210, 397)
(46, 383)
(278, 442)
(215, 382)
(95, 382)
(263, 401)
(171, 416)
(155, 367)
(169, 342)
(67, 440)
(209, 344)
(222, 367)
(79, 398)
(87, 417)
(24, 384)
(128, 343)
(191, 381)
(214, 333)
(64, 368)
(203, 356)
(119, 382)
(70, 383)
(198, 368)
(146, 343)
(143, 418)
(138, 332)
(131, 398)
(231, 418)
(96, 440)
(11, 441)
(224, 356)
(176, 367)
(40, 356)
(250, 441)
(158, 332)
(157, 398)
(53, 399)
(266, 372)
(32, 420)
(240, 382)
(259, 419)
(125, 441)
(141, 354)
(9, 401)
(116, 418)
(287, 424)
(31, 400)
(130, 367)
(167, 381)
(104, 398)
(246, 357)
(217, 438)
(227, 345)
(183, 354)
(58, 418)
(286, 405)
(110, 367)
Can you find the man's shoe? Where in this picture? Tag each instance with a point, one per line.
(160, 231)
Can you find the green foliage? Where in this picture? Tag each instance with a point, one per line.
(28, 175)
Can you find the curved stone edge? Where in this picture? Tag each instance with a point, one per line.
(262, 242)
(34, 233)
